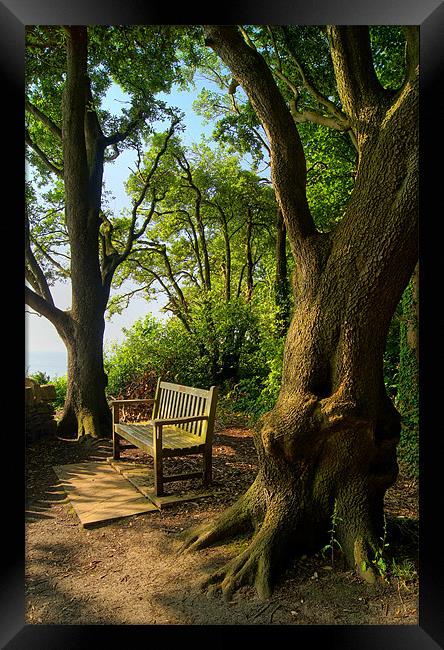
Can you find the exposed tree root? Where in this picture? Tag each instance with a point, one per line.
(233, 521)
(257, 565)
(252, 567)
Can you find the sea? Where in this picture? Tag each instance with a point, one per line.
(52, 362)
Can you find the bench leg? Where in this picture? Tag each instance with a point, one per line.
(207, 468)
(116, 446)
(158, 475)
(158, 462)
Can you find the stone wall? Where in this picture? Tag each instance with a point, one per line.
(39, 410)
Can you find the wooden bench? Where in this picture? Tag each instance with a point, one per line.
(182, 424)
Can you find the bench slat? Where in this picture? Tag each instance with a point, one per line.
(199, 392)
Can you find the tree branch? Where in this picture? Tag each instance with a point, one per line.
(185, 166)
(44, 119)
(331, 107)
(132, 235)
(35, 276)
(358, 86)
(58, 266)
(288, 167)
(255, 131)
(60, 319)
(180, 309)
(412, 50)
(120, 136)
(42, 155)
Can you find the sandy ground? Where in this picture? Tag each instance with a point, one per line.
(128, 571)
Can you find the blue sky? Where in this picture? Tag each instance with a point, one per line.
(40, 333)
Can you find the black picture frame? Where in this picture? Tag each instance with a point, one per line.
(429, 14)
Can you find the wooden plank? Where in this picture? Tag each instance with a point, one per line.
(142, 479)
(156, 399)
(181, 477)
(119, 402)
(208, 460)
(142, 438)
(170, 500)
(184, 389)
(184, 451)
(158, 461)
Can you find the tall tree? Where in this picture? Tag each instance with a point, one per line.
(66, 138)
(329, 444)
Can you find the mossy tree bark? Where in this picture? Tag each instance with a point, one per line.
(329, 444)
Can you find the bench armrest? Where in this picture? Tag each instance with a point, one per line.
(182, 420)
(115, 405)
(117, 402)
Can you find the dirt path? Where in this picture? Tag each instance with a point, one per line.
(127, 572)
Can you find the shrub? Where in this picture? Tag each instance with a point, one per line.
(234, 345)
(60, 384)
(125, 362)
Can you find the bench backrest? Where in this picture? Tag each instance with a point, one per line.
(175, 400)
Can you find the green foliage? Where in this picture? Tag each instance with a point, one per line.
(331, 167)
(333, 542)
(125, 362)
(388, 50)
(257, 391)
(40, 377)
(230, 344)
(379, 560)
(408, 386)
(401, 379)
(404, 570)
(391, 354)
(61, 385)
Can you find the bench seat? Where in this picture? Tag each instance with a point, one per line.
(175, 441)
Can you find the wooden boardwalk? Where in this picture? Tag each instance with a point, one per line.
(101, 491)
(98, 493)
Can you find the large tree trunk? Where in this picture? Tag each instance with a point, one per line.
(86, 411)
(328, 447)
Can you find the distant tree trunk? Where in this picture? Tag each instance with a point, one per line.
(249, 255)
(329, 444)
(226, 265)
(282, 287)
(86, 410)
